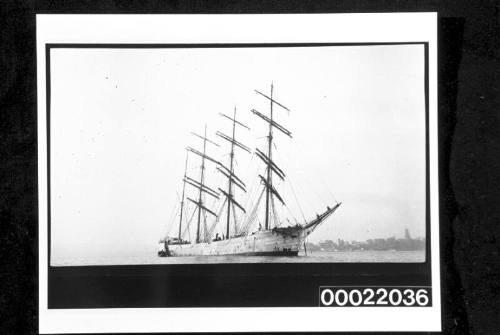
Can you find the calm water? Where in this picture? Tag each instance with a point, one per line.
(311, 257)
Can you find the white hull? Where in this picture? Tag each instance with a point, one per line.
(260, 243)
(285, 241)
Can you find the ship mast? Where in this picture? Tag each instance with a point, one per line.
(183, 192)
(200, 185)
(269, 154)
(232, 179)
(270, 165)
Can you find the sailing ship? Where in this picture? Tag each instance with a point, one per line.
(245, 237)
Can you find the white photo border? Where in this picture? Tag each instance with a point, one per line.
(252, 28)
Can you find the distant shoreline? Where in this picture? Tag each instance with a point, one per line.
(379, 244)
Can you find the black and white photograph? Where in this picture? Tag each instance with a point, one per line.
(238, 154)
(249, 167)
(229, 169)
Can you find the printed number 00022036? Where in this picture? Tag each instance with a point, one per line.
(397, 297)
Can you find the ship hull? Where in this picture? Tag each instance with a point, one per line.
(260, 243)
(279, 241)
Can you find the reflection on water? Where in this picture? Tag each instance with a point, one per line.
(314, 257)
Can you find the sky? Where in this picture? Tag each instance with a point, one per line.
(121, 120)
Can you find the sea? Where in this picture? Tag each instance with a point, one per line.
(149, 258)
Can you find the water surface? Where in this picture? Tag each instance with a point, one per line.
(366, 256)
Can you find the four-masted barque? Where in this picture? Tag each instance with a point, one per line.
(245, 237)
